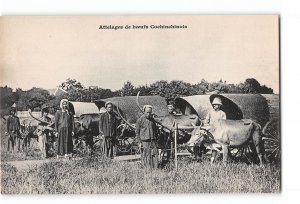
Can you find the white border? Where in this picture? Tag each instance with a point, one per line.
(290, 76)
(96, 7)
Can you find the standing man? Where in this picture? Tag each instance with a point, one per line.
(164, 140)
(108, 128)
(64, 126)
(147, 134)
(13, 128)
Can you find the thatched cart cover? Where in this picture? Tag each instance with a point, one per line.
(80, 108)
(274, 104)
(236, 106)
(129, 108)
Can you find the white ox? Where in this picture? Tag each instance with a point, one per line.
(229, 133)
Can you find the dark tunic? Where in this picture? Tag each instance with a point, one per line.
(13, 128)
(108, 124)
(13, 124)
(147, 133)
(64, 125)
(108, 127)
(146, 129)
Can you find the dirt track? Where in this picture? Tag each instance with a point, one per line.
(25, 164)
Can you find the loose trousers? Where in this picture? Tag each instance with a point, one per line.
(108, 147)
(149, 154)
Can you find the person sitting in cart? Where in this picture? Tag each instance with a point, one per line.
(213, 115)
(216, 113)
(171, 109)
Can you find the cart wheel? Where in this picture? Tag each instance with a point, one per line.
(135, 148)
(244, 153)
(271, 139)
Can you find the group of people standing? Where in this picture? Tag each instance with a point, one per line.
(64, 128)
(147, 131)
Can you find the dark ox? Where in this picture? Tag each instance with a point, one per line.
(185, 123)
(230, 133)
(87, 126)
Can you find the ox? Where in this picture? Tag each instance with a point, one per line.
(230, 133)
(87, 125)
(167, 126)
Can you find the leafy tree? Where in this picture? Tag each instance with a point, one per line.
(200, 88)
(159, 88)
(178, 88)
(74, 89)
(33, 98)
(251, 86)
(144, 90)
(127, 89)
(266, 90)
(70, 84)
(7, 97)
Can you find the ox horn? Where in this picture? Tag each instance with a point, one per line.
(123, 117)
(138, 103)
(42, 121)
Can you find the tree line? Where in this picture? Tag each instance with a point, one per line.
(37, 98)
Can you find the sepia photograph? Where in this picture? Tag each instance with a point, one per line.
(154, 104)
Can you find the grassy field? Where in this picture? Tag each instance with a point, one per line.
(93, 175)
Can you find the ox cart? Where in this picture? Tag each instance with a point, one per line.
(261, 108)
(128, 112)
(87, 137)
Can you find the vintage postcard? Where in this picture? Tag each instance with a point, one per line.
(140, 104)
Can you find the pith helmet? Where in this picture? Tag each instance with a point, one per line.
(217, 101)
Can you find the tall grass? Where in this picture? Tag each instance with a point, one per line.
(94, 175)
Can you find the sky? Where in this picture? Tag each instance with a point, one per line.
(43, 51)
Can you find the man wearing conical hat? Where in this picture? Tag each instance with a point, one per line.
(216, 113)
(13, 128)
